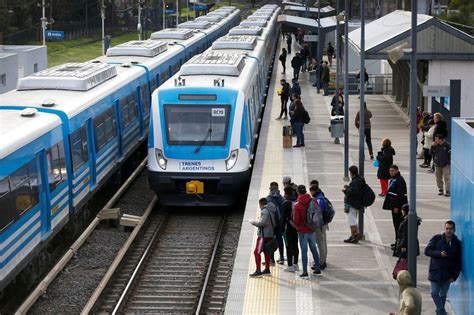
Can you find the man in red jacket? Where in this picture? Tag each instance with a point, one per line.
(306, 236)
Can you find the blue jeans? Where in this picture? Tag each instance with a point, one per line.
(439, 292)
(298, 126)
(305, 240)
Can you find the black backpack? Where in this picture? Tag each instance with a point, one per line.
(368, 196)
(306, 118)
(328, 211)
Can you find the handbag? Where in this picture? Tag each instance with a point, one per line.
(376, 163)
(402, 264)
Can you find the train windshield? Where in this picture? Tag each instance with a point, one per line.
(199, 125)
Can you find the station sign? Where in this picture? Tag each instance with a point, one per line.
(55, 35)
(436, 90)
(310, 38)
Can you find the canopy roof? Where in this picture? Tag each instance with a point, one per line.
(435, 39)
(300, 8)
(327, 24)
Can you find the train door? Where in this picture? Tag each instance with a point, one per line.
(43, 190)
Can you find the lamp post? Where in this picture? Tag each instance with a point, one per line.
(164, 14)
(44, 21)
(346, 90)
(102, 16)
(412, 216)
(177, 13)
(139, 24)
(361, 106)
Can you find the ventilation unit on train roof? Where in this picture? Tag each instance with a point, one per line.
(235, 42)
(173, 33)
(258, 17)
(209, 18)
(70, 76)
(230, 8)
(263, 13)
(144, 48)
(246, 30)
(214, 63)
(195, 25)
(222, 13)
(261, 23)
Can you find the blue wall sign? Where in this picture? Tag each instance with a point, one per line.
(55, 35)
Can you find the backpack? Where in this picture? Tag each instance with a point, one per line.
(314, 215)
(306, 118)
(368, 196)
(279, 209)
(328, 211)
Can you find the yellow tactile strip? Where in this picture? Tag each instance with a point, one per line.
(262, 294)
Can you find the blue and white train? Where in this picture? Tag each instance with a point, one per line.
(67, 129)
(205, 120)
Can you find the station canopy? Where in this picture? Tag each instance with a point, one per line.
(326, 11)
(327, 24)
(435, 39)
(292, 3)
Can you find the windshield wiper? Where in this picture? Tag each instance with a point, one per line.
(198, 148)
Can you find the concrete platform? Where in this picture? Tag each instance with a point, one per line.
(358, 278)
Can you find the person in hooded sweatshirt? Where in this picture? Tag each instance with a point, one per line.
(264, 233)
(385, 159)
(291, 235)
(410, 297)
(306, 236)
(277, 199)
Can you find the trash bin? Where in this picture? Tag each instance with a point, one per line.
(287, 136)
(337, 126)
(312, 76)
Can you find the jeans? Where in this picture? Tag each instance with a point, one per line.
(305, 240)
(439, 292)
(298, 126)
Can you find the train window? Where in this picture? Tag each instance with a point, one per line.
(175, 68)
(24, 187)
(145, 98)
(153, 84)
(79, 150)
(56, 165)
(104, 128)
(7, 212)
(128, 106)
(164, 76)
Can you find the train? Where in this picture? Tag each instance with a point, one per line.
(65, 130)
(204, 121)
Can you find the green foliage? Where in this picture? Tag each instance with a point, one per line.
(462, 12)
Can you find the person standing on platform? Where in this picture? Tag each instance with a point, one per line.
(265, 233)
(288, 183)
(289, 41)
(366, 81)
(282, 59)
(445, 264)
(440, 129)
(330, 51)
(396, 197)
(353, 203)
(441, 152)
(297, 121)
(325, 78)
(295, 89)
(401, 247)
(296, 64)
(428, 142)
(367, 128)
(277, 199)
(385, 159)
(284, 96)
(337, 106)
(304, 53)
(291, 235)
(410, 297)
(305, 234)
(320, 233)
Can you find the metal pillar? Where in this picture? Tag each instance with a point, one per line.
(412, 216)
(164, 14)
(44, 21)
(177, 13)
(361, 106)
(102, 16)
(139, 24)
(346, 90)
(318, 49)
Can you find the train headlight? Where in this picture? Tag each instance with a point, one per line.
(230, 162)
(160, 158)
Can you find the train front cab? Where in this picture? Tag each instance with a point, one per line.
(195, 155)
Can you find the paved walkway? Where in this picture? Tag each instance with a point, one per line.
(358, 277)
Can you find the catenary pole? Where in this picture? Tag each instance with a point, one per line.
(102, 16)
(346, 90)
(164, 14)
(44, 21)
(361, 106)
(139, 24)
(412, 216)
(177, 13)
(337, 57)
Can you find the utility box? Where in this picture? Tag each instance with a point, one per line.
(287, 137)
(337, 126)
(8, 71)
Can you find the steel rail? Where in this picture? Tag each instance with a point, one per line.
(46, 282)
(211, 265)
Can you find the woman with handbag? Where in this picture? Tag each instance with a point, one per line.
(264, 236)
(385, 160)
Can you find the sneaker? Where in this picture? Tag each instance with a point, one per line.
(317, 273)
(440, 193)
(323, 266)
(281, 261)
(266, 272)
(447, 194)
(272, 263)
(304, 275)
(392, 246)
(256, 274)
(382, 195)
(431, 170)
(289, 269)
(348, 240)
(278, 118)
(297, 268)
(371, 156)
(424, 165)
(297, 146)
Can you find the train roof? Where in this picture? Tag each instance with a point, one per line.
(17, 131)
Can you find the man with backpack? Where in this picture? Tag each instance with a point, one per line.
(305, 233)
(353, 203)
(327, 214)
(291, 235)
(277, 199)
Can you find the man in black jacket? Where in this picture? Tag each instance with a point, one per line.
(296, 64)
(291, 235)
(396, 198)
(445, 264)
(441, 152)
(353, 203)
(285, 95)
